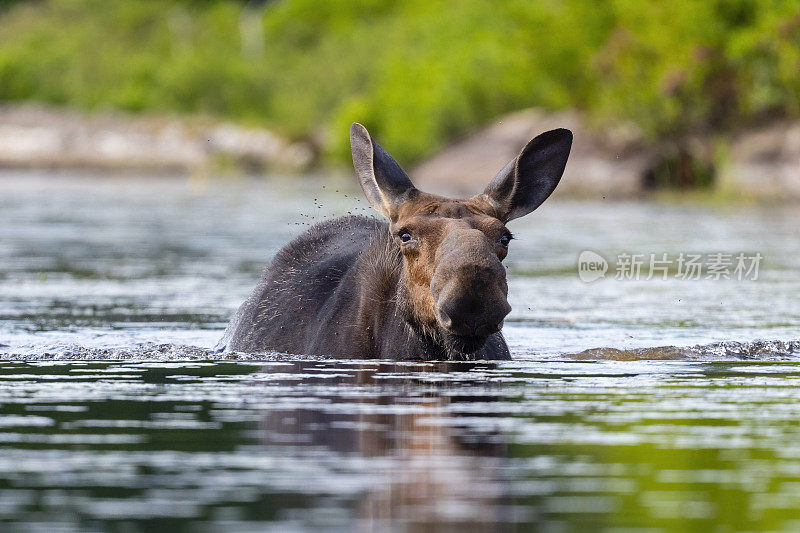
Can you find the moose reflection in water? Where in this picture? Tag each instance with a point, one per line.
(428, 285)
(431, 460)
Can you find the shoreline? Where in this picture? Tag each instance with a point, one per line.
(754, 164)
(36, 136)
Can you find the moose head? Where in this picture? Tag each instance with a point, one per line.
(453, 285)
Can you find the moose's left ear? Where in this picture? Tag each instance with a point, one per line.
(384, 182)
(530, 178)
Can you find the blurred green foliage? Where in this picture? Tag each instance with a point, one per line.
(418, 73)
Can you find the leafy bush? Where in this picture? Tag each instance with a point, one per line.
(419, 73)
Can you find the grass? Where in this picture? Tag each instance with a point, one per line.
(418, 73)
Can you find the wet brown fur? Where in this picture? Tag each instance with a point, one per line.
(354, 306)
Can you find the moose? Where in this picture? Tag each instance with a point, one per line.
(427, 285)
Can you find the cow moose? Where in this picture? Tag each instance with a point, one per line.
(427, 285)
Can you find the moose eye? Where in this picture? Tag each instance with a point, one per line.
(405, 236)
(505, 239)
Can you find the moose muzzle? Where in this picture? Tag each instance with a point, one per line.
(469, 288)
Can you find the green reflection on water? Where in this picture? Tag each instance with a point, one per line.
(315, 444)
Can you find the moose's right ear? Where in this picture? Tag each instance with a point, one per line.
(531, 177)
(384, 182)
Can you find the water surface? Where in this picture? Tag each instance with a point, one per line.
(116, 414)
(340, 446)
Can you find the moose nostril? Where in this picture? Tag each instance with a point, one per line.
(444, 319)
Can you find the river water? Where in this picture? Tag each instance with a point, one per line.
(638, 405)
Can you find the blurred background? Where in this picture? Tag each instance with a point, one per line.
(698, 95)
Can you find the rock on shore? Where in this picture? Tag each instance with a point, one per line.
(37, 136)
(765, 162)
(761, 162)
(612, 164)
